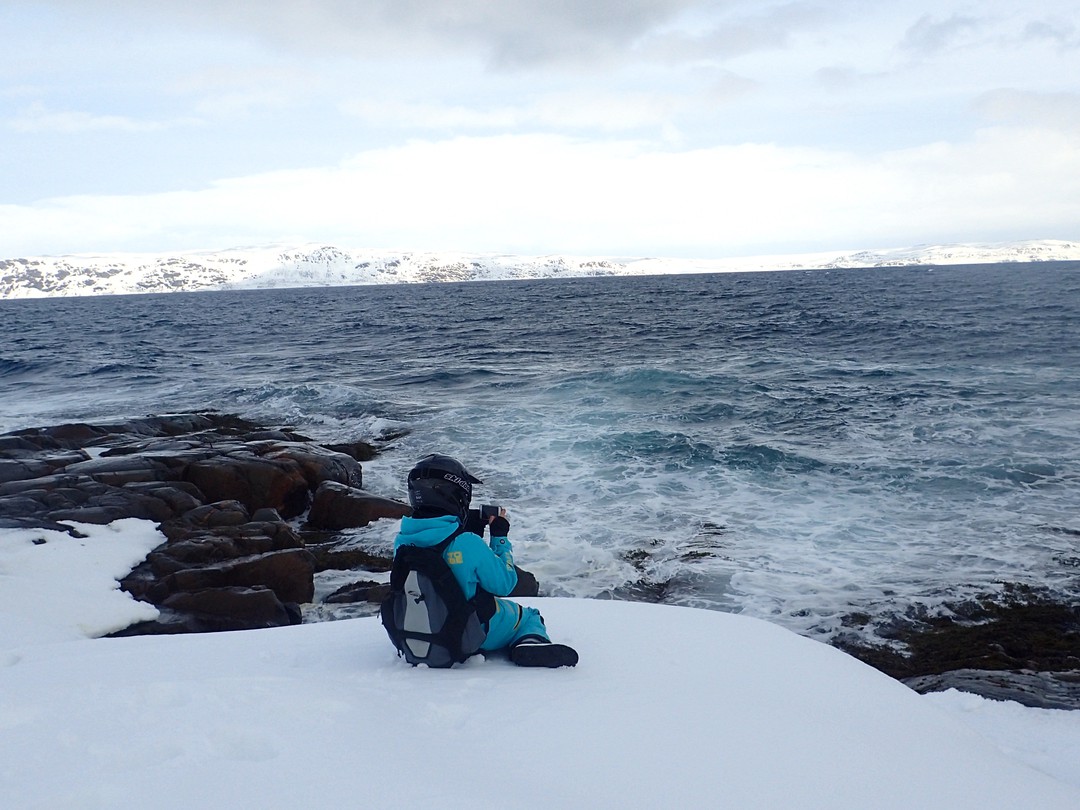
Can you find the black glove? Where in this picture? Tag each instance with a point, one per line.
(500, 527)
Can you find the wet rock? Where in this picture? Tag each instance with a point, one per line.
(37, 523)
(20, 506)
(1040, 690)
(233, 608)
(199, 552)
(122, 470)
(72, 436)
(361, 451)
(112, 503)
(168, 622)
(21, 470)
(332, 557)
(190, 548)
(991, 642)
(178, 496)
(290, 574)
(16, 446)
(253, 481)
(337, 506)
(364, 591)
(319, 464)
(171, 622)
(216, 515)
(46, 483)
(255, 537)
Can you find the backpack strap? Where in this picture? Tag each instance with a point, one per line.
(441, 547)
(482, 600)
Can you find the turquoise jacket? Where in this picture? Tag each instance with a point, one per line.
(470, 558)
(475, 563)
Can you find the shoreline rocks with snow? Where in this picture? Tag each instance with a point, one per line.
(1022, 646)
(222, 490)
(228, 495)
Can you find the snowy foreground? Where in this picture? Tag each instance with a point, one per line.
(670, 707)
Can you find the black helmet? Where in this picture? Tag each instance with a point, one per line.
(440, 485)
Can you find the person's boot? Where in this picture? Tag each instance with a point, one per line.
(537, 651)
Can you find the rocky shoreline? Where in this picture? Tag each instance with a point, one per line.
(250, 516)
(1022, 644)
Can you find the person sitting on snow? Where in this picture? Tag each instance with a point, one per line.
(440, 490)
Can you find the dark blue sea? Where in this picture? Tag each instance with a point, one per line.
(812, 448)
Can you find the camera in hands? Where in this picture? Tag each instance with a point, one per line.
(478, 519)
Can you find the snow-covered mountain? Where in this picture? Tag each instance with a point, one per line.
(323, 266)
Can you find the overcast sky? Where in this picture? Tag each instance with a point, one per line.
(599, 127)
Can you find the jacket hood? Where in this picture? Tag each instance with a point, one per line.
(425, 531)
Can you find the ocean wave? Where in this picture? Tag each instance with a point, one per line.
(1024, 474)
(20, 368)
(653, 448)
(766, 459)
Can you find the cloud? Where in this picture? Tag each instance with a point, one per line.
(540, 194)
(929, 36)
(1054, 111)
(1061, 32)
(739, 31)
(506, 34)
(579, 110)
(38, 118)
(788, 107)
(230, 90)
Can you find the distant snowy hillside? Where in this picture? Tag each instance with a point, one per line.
(327, 266)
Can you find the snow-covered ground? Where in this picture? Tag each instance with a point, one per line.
(670, 707)
(328, 266)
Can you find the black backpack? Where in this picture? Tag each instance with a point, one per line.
(426, 615)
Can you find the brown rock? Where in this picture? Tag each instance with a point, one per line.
(241, 608)
(75, 434)
(255, 482)
(21, 470)
(193, 553)
(290, 574)
(332, 557)
(359, 592)
(320, 464)
(213, 515)
(113, 503)
(121, 470)
(361, 451)
(46, 483)
(17, 445)
(337, 506)
(180, 497)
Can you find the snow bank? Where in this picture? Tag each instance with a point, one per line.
(669, 707)
(54, 586)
